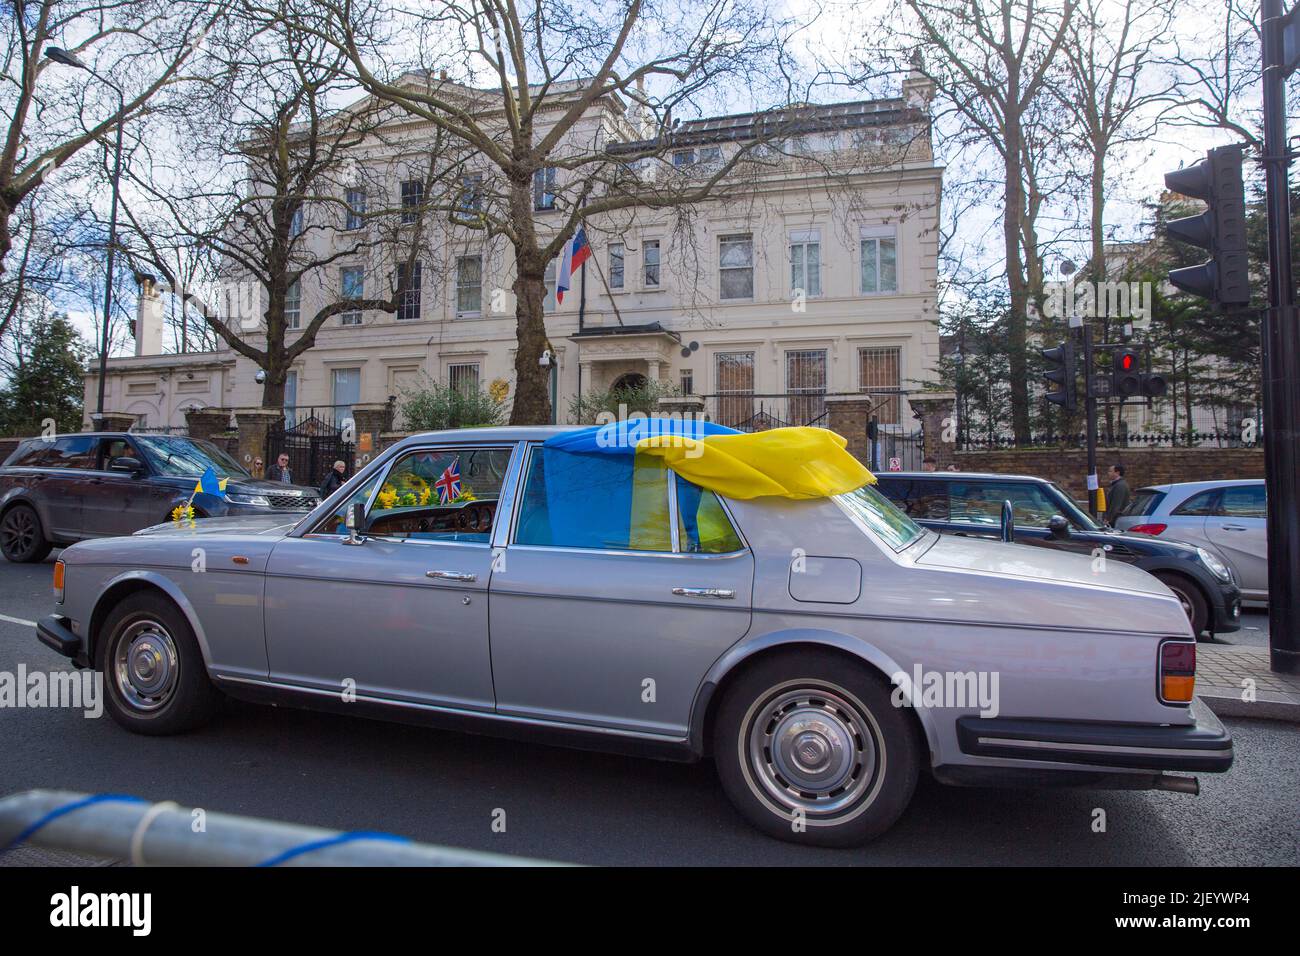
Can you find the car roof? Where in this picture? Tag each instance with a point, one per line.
(492, 433)
(963, 475)
(1191, 487)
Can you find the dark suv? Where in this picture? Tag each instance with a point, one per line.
(1044, 515)
(56, 491)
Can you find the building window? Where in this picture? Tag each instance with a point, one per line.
(295, 223)
(346, 391)
(469, 285)
(805, 381)
(548, 300)
(471, 193)
(408, 293)
(356, 213)
(616, 265)
(293, 306)
(544, 189)
(733, 374)
(710, 156)
(683, 157)
(412, 200)
(688, 382)
(650, 255)
(879, 373)
(805, 263)
(291, 398)
(352, 286)
(736, 266)
(463, 377)
(879, 253)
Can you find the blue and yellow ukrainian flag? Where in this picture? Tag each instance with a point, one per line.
(210, 484)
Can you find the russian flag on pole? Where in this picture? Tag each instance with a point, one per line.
(576, 251)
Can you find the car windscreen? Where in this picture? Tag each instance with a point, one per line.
(187, 457)
(1077, 515)
(882, 516)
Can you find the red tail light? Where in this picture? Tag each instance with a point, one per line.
(1148, 528)
(1177, 671)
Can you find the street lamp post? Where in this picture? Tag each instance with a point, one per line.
(59, 55)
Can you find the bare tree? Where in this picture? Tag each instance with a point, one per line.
(990, 61)
(518, 88)
(1114, 91)
(133, 47)
(267, 184)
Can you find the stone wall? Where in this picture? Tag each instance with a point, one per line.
(1068, 467)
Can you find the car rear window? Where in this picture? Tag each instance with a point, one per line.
(1145, 501)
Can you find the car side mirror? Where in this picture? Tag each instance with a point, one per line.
(1008, 522)
(1059, 527)
(127, 463)
(354, 521)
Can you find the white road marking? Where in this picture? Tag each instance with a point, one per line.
(16, 620)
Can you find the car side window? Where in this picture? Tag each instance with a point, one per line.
(31, 456)
(702, 524)
(441, 494)
(981, 503)
(601, 502)
(75, 451)
(336, 523)
(1244, 501)
(1199, 505)
(921, 499)
(115, 448)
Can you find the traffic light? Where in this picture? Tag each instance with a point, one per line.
(1061, 371)
(1125, 374)
(1153, 384)
(1225, 278)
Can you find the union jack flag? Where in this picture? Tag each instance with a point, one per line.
(449, 484)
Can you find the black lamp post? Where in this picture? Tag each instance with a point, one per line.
(59, 55)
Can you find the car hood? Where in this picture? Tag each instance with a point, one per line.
(260, 486)
(270, 524)
(1026, 561)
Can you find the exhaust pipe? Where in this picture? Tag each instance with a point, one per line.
(1177, 784)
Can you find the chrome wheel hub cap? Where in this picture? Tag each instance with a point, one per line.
(812, 750)
(145, 665)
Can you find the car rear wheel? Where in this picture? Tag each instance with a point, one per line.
(154, 674)
(810, 749)
(1190, 597)
(22, 540)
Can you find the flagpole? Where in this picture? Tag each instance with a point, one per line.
(582, 296)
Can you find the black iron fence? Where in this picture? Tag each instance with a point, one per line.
(312, 443)
(1240, 427)
(759, 411)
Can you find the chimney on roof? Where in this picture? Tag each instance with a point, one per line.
(918, 89)
(442, 75)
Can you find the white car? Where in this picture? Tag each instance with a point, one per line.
(1226, 517)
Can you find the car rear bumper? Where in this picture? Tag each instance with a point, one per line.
(54, 632)
(1203, 745)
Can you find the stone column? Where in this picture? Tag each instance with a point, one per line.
(203, 423)
(936, 413)
(847, 415)
(370, 421)
(112, 421)
(254, 425)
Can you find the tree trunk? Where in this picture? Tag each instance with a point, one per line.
(532, 405)
(1014, 200)
(6, 239)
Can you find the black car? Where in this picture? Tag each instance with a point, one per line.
(1044, 515)
(57, 491)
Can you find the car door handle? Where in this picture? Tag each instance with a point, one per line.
(1232, 527)
(721, 594)
(452, 575)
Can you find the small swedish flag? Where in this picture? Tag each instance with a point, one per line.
(210, 484)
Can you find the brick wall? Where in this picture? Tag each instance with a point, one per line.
(1068, 467)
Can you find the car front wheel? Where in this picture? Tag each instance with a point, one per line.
(154, 674)
(811, 750)
(1190, 597)
(22, 540)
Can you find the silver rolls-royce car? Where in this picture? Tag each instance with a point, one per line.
(823, 651)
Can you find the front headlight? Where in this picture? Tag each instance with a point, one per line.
(1217, 567)
(262, 500)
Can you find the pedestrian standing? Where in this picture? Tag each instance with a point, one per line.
(280, 470)
(1117, 495)
(334, 480)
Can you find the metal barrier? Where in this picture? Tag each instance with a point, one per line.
(165, 834)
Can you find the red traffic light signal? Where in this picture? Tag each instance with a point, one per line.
(1126, 381)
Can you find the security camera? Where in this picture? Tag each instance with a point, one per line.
(547, 359)
(260, 377)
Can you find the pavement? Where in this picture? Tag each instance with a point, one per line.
(1235, 681)
(450, 789)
